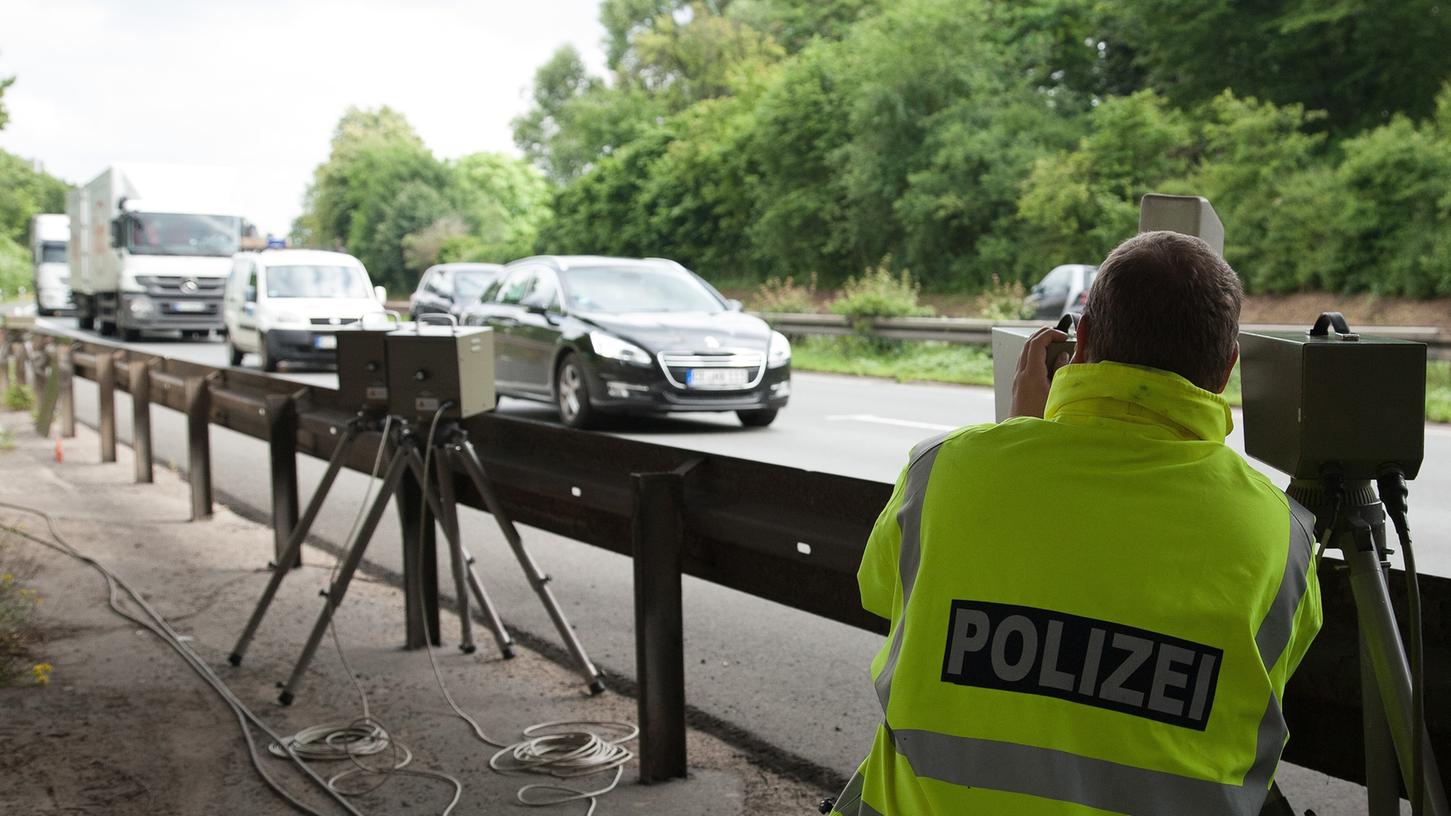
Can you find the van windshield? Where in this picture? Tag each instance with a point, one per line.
(308, 281)
(52, 252)
(182, 234)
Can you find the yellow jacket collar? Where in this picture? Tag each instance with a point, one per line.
(1139, 395)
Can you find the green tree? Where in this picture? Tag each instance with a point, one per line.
(1360, 60)
(575, 119)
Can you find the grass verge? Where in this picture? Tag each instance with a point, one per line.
(915, 361)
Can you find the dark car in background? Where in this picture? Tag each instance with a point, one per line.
(450, 288)
(1062, 291)
(600, 335)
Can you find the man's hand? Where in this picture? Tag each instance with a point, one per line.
(1030, 385)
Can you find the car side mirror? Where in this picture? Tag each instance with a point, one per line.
(118, 232)
(250, 294)
(381, 294)
(734, 305)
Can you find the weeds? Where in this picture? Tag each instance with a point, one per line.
(19, 397)
(879, 293)
(1004, 301)
(904, 362)
(785, 296)
(18, 631)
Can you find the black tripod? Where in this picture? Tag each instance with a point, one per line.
(450, 448)
(1351, 518)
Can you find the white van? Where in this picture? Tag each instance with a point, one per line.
(287, 304)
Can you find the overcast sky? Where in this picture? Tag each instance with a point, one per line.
(259, 85)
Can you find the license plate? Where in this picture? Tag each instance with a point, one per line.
(716, 377)
(325, 341)
(188, 306)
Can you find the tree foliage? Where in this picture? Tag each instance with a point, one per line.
(384, 197)
(985, 140)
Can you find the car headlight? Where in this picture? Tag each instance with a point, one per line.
(608, 345)
(288, 318)
(779, 352)
(141, 306)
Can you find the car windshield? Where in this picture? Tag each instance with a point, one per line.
(174, 234)
(637, 289)
(309, 281)
(468, 284)
(52, 252)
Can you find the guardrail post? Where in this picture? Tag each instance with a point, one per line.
(139, 374)
(659, 499)
(106, 388)
(199, 446)
(49, 391)
(22, 363)
(282, 447)
(420, 562)
(66, 363)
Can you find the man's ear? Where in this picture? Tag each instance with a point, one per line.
(1233, 360)
(1081, 347)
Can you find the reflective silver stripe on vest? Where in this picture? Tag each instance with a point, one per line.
(1279, 623)
(1096, 783)
(909, 520)
(850, 802)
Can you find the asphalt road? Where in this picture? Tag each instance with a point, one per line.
(793, 680)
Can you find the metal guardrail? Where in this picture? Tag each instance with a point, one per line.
(784, 534)
(972, 330)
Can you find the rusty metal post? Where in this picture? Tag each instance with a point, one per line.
(282, 448)
(106, 388)
(199, 446)
(139, 373)
(420, 562)
(4, 362)
(22, 363)
(659, 499)
(66, 363)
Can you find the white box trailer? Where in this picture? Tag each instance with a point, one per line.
(151, 247)
(49, 234)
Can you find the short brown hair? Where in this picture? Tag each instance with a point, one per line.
(1168, 301)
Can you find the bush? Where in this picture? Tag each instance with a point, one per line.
(879, 293)
(1004, 301)
(17, 621)
(785, 296)
(19, 397)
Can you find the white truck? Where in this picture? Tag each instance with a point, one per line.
(49, 233)
(151, 248)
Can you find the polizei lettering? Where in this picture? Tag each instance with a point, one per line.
(1093, 662)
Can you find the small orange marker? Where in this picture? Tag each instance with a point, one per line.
(59, 454)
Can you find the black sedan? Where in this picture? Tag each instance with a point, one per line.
(450, 288)
(615, 335)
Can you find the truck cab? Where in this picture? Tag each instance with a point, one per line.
(286, 305)
(151, 246)
(50, 234)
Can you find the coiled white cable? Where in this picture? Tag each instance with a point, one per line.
(564, 755)
(365, 736)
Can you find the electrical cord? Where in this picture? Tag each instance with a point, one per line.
(155, 623)
(1393, 495)
(568, 754)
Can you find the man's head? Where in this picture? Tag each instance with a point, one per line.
(1168, 301)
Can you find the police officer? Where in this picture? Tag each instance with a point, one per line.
(1095, 605)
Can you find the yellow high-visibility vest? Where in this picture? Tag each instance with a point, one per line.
(1095, 612)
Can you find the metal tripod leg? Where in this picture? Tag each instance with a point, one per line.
(463, 452)
(359, 544)
(447, 515)
(1392, 671)
(299, 535)
(486, 605)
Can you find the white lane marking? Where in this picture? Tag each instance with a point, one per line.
(904, 423)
